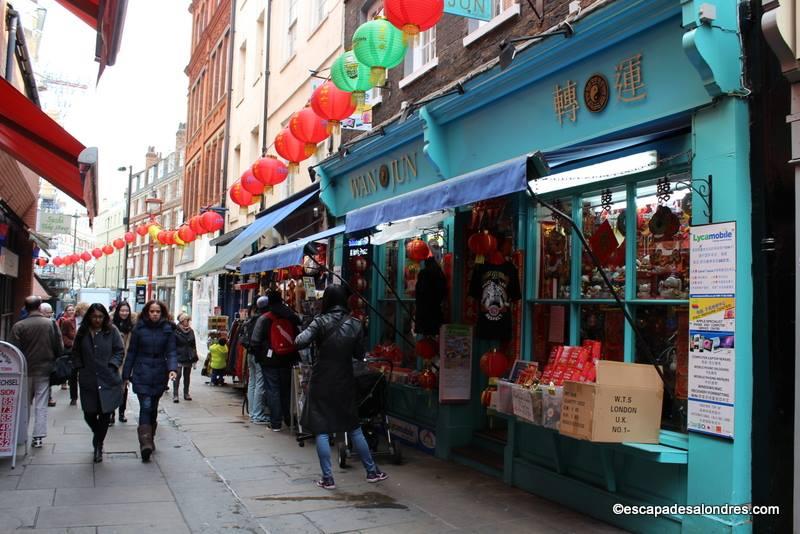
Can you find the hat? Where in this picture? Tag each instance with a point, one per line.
(262, 303)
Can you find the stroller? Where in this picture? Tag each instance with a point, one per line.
(372, 387)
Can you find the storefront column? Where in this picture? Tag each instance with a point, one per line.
(719, 469)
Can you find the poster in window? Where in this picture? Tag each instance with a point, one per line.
(455, 363)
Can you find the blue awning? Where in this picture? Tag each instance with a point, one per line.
(231, 253)
(490, 182)
(285, 255)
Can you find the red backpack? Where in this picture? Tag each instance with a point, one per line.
(281, 335)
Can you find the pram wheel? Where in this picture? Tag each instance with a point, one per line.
(395, 453)
(343, 453)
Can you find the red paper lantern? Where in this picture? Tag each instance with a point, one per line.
(161, 237)
(75, 258)
(251, 184)
(270, 171)
(212, 221)
(296, 271)
(239, 196)
(290, 148)
(309, 128)
(142, 229)
(355, 303)
(333, 104)
(119, 244)
(97, 253)
(417, 250)
(186, 234)
(108, 250)
(85, 256)
(494, 363)
(41, 262)
(482, 244)
(413, 16)
(196, 224)
(129, 237)
(170, 235)
(426, 348)
(58, 262)
(428, 379)
(360, 264)
(359, 283)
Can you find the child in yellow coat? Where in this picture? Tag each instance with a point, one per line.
(219, 361)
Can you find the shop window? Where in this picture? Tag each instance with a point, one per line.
(550, 329)
(390, 268)
(604, 323)
(603, 224)
(666, 330)
(662, 249)
(554, 253)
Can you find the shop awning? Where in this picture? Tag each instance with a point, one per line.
(490, 182)
(107, 17)
(284, 255)
(34, 139)
(39, 240)
(408, 227)
(231, 253)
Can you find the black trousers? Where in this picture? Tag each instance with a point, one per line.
(187, 373)
(73, 385)
(98, 422)
(124, 405)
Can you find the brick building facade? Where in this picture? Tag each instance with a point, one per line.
(208, 105)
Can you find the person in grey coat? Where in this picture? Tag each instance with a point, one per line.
(97, 356)
(38, 339)
(330, 406)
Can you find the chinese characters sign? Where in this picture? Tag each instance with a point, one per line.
(12, 373)
(565, 101)
(630, 84)
(712, 329)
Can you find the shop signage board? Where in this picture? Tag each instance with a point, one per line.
(420, 437)
(12, 390)
(9, 263)
(471, 9)
(455, 363)
(54, 223)
(141, 292)
(712, 329)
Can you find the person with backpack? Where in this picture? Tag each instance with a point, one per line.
(256, 393)
(273, 343)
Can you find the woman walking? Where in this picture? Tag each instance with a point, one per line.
(124, 320)
(331, 403)
(97, 356)
(151, 360)
(186, 347)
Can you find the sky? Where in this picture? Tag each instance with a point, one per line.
(138, 102)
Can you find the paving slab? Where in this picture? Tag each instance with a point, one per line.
(151, 514)
(137, 529)
(361, 518)
(128, 472)
(19, 517)
(22, 498)
(422, 526)
(57, 476)
(79, 530)
(288, 524)
(114, 495)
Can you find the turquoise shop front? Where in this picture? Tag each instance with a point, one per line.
(640, 109)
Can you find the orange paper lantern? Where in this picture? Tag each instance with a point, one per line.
(309, 128)
(333, 104)
(119, 244)
(270, 171)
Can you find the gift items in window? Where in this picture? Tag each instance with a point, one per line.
(577, 364)
(555, 252)
(605, 323)
(550, 329)
(604, 222)
(662, 249)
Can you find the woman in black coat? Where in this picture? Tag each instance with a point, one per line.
(331, 401)
(97, 356)
(186, 347)
(151, 360)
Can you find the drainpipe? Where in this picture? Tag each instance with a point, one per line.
(12, 19)
(228, 110)
(266, 80)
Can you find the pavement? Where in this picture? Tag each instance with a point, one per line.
(213, 471)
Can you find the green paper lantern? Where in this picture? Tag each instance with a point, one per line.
(380, 46)
(348, 74)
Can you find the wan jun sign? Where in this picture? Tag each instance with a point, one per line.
(473, 9)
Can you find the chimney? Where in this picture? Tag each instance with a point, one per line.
(151, 158)
(180, 137)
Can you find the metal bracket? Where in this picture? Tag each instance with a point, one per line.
(538, 9)
(703, 190)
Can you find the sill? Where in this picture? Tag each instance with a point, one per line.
(288, 60)
(258, 79)
(411, 78)
(239, 103)
(318, 26)
(492, 25)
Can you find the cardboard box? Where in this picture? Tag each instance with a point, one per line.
(623, 406)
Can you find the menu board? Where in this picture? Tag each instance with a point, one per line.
(455, 363)
(12, 374)
(712, 330)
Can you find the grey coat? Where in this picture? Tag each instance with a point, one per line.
(97, 361)
(331, 403)
(36, 337)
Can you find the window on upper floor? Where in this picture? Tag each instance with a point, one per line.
(319, 10)
(242, 72)
(291, 33)
(502, 10)
(258, 57)
(421, 56)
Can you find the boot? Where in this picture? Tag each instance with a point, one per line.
(146, 445)
(155, 426)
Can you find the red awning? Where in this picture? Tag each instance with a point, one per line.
(34, 139)
(108, 18)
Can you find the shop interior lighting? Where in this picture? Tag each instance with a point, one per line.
(599, 172)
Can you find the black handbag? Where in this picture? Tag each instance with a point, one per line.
(62, 367)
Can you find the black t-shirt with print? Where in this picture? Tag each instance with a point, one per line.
(495, 287)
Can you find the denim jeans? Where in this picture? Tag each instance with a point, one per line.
(148, 409)
(255, 390)
(278, 382)
(360, 445)
(38, 392)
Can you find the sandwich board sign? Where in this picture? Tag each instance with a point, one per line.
(13, 418)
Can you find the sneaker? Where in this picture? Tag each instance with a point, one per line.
(259, 422)
(377, 476)
(275, 428)
(51, 403)
(36, 443)
(326, 483)
(73, 402)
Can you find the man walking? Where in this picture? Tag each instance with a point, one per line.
(38, 340)
(256, 394)
(273, 342)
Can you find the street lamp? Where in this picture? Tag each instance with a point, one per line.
(153, 206)
(127, 221)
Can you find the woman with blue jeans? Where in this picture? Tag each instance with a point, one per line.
(331, 401)
(151, 360)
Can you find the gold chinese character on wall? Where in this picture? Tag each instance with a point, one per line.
(630, 81)
(565, 102)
